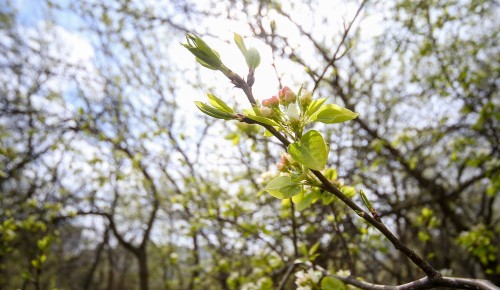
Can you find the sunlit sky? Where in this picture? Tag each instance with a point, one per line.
(79, 48)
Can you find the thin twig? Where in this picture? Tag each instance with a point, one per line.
(344, 37)
(287, 274)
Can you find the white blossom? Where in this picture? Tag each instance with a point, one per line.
(343, 273)
(292, 112)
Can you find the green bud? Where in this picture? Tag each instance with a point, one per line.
(252, 57)
(305, 99)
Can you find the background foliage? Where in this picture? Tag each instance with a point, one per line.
(111, 180)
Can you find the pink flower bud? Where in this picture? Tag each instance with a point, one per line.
(286, 96)
(284, 90)
(284, 160)
(281, 167)
(290, 97)
(282, 95)
(271, 102)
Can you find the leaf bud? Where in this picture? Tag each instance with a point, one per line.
(205, 55)
(252, 58)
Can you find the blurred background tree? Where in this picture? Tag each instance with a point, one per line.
(111, 180)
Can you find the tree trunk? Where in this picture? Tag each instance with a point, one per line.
(143, 269)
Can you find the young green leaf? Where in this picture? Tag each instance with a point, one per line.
(313, 249)
(282, 187)
(240, 43)
(252, 115)
(314, 106)
(331, 283)
(348, 191)
(331, 174)
(310, 151)
(331, 113)
(205, 55)
(219, 104)
(263, 120)
(303, 200)
(213, 112)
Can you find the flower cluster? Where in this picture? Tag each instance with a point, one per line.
(307, 280)
(292, 106)
(286, 96)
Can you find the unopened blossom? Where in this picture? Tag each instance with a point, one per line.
(305, 99)
(281, 167)
(266, 112)
(283, 91)
(290, 97)
(272, 102)
(286, 96)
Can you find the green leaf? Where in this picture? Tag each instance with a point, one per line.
(331, 113)
(251, 115)
(240, 43)
(263, 120)
(282, 187)
(331, 174)
(314, 106)
(331, 283)
(348, 191)
(206, 64)
(234, 137)
(219, 104)
(213, 112)
(313, 249)
(302, 200)
(423, 236)
(205, 55)
(266, 134)
(310, 151)
(266, 283)
(43, 243)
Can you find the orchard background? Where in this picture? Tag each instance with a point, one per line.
(111, 178)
